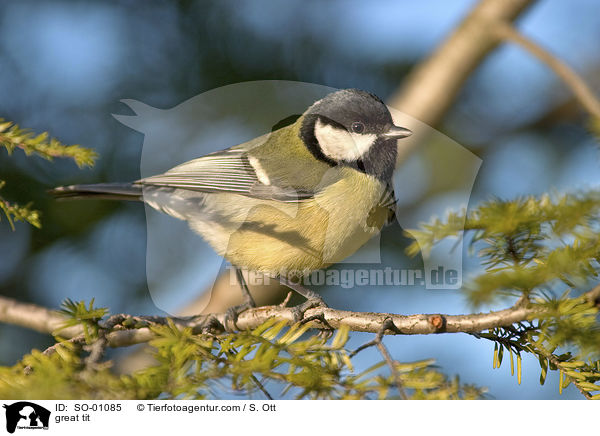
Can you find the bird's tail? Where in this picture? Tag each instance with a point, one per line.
(104, 191)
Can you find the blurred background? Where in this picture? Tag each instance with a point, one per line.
(65, 66)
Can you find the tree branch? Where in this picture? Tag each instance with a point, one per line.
(580, 89)
(432, 86)
(47, 321)
(34, 317)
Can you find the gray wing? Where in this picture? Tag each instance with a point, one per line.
(227, 171)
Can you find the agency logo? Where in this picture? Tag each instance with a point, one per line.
(26, 415)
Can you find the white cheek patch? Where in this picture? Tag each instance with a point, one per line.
(261, 175)
(338, 144)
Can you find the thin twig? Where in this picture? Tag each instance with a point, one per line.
(77, 340)
(287, 299)
(96, 352)
(261, 387)
(576, 84)
(432, 86)
(257, 382)
(391, 364)
(388, 324)
(556, 362)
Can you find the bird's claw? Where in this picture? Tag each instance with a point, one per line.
(299, 310)
(209, 326)
(324, 333)
(298, 313)
(233, 313)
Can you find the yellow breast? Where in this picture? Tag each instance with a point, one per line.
(312, 234)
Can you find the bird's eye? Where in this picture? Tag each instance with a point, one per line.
(358, 127)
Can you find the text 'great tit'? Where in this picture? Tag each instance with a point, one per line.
(298, 199)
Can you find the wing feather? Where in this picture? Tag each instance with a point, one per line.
(225, 171)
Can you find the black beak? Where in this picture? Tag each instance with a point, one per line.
(396, 132)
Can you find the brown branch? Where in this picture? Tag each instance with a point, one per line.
(47, 321)
(432, 86)
(76, 340)
(580, 89)
(34, 317)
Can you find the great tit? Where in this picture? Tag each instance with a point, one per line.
(297, 199)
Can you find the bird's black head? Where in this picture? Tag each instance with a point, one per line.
(353, 128)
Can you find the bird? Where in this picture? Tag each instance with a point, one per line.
(295, 200)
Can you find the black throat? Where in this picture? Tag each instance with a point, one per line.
(307, 135)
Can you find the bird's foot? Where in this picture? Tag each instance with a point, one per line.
(312, 300)
(299, 310)
(326, 331)
(233, 313)
(208, 325)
